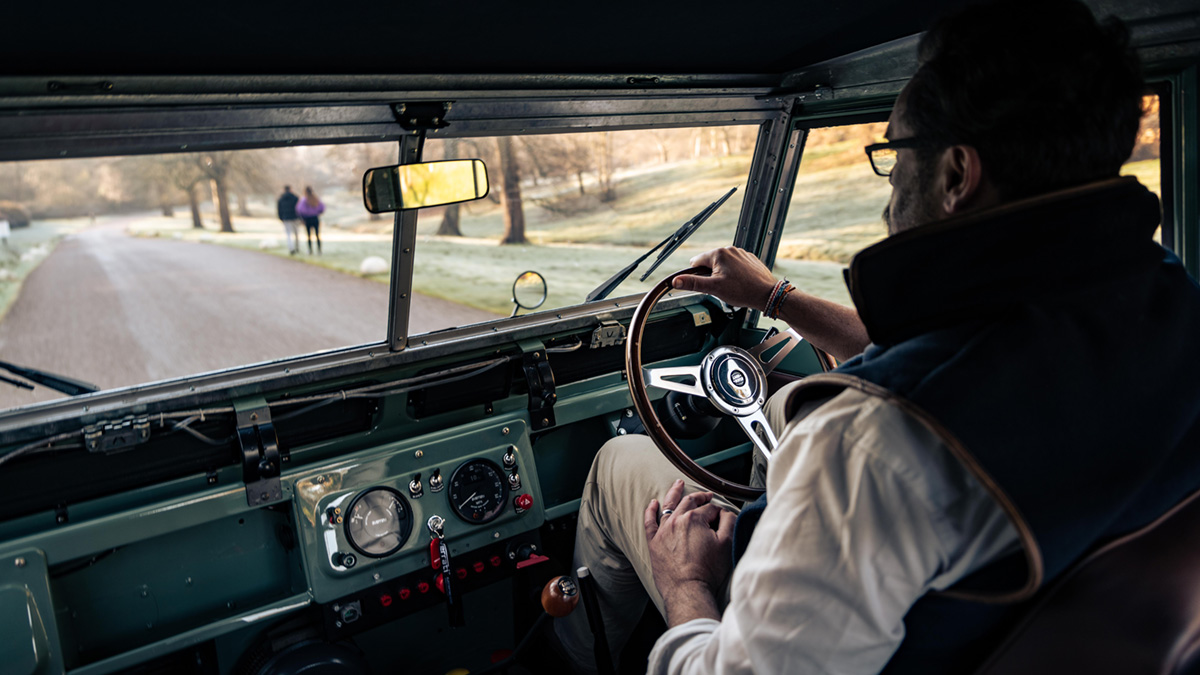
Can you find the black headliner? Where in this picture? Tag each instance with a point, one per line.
(386, 37)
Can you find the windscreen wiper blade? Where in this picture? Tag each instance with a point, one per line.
(686, 231)
(67, 385)
(672, 242)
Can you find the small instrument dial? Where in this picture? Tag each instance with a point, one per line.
(478, 491)
(379, 522)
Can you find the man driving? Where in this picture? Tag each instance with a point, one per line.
(1021, 385)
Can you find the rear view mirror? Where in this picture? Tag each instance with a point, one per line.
(414, 186)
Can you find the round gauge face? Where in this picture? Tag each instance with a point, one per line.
(478, 491)
(379, 522)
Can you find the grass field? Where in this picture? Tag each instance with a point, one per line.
(25, 249)
(576, 242)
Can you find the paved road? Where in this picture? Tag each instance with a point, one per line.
(116, 310)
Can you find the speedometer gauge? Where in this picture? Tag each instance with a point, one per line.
(478, 491)
(379, 522)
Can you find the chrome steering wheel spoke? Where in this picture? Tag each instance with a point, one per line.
(658, 377)
(759, 431)
(789, 342)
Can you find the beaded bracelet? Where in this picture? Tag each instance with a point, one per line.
(775, 301)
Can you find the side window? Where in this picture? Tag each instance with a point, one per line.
(1146, 162)
(834, 211)
(837, 200)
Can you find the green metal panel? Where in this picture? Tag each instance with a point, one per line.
(29, 640)
(258, 617)
(148, 591)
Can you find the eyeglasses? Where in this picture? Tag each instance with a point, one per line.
(883, 155)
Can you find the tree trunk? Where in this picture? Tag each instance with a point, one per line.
(510, 193)
(579, 178)
(604, 174)
(221, 201)
(662, 149)
(449, 224)
(194, 203)
(243, 205)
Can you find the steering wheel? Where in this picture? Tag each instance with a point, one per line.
(734, 380)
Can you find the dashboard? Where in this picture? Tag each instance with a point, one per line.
(367, 525)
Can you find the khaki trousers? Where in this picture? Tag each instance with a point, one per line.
(626, 474)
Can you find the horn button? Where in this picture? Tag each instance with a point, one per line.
(734, 380)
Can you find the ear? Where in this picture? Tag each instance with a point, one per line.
(962, 182)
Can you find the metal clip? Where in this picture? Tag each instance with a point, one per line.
(608, 334)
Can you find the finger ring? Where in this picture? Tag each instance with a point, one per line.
(666, 512)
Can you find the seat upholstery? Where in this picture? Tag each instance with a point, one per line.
(1133, 606)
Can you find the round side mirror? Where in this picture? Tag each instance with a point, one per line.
(528, 291)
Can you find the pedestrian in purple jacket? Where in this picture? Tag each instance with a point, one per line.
(310, 209)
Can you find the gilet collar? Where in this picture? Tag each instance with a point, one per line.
(972, 266)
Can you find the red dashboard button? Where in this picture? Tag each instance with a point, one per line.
(385, 600)
(479, 567)
(404, 594)
(422, 587)
(461, 573)
(495, 561)
(523, 502)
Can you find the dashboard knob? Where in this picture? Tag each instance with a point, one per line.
(510, 457)
(514, 480)
(560, 596)
(523, 503)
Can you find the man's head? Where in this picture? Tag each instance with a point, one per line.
(287, 188)
(1011, 100)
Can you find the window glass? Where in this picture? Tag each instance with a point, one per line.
(834, 211)
(122, 271)
(577, 208)
(1145, 162)
(837, 201)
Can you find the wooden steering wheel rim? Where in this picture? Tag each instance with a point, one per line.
(645, 409)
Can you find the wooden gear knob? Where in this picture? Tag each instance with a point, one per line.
(560, 596)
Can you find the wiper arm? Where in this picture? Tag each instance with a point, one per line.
(672, 242)
(682, 234)
(66, 385)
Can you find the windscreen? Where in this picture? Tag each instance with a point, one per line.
(123, 271)
(576, 209)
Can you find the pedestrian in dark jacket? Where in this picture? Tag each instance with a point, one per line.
(291, 221)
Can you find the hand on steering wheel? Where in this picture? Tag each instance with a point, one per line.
(734, 380)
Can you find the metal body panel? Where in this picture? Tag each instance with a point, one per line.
(29, 637)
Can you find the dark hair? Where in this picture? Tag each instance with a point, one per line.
(1049, 97)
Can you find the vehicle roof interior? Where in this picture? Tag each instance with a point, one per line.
(487, 38)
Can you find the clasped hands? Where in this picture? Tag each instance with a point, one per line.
(689, 552)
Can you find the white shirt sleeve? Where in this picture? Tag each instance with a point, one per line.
(867, 512)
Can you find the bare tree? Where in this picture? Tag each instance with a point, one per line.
(185, 177)
(605, 166)
(510, 193)
(215, 166)
(354, 160)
